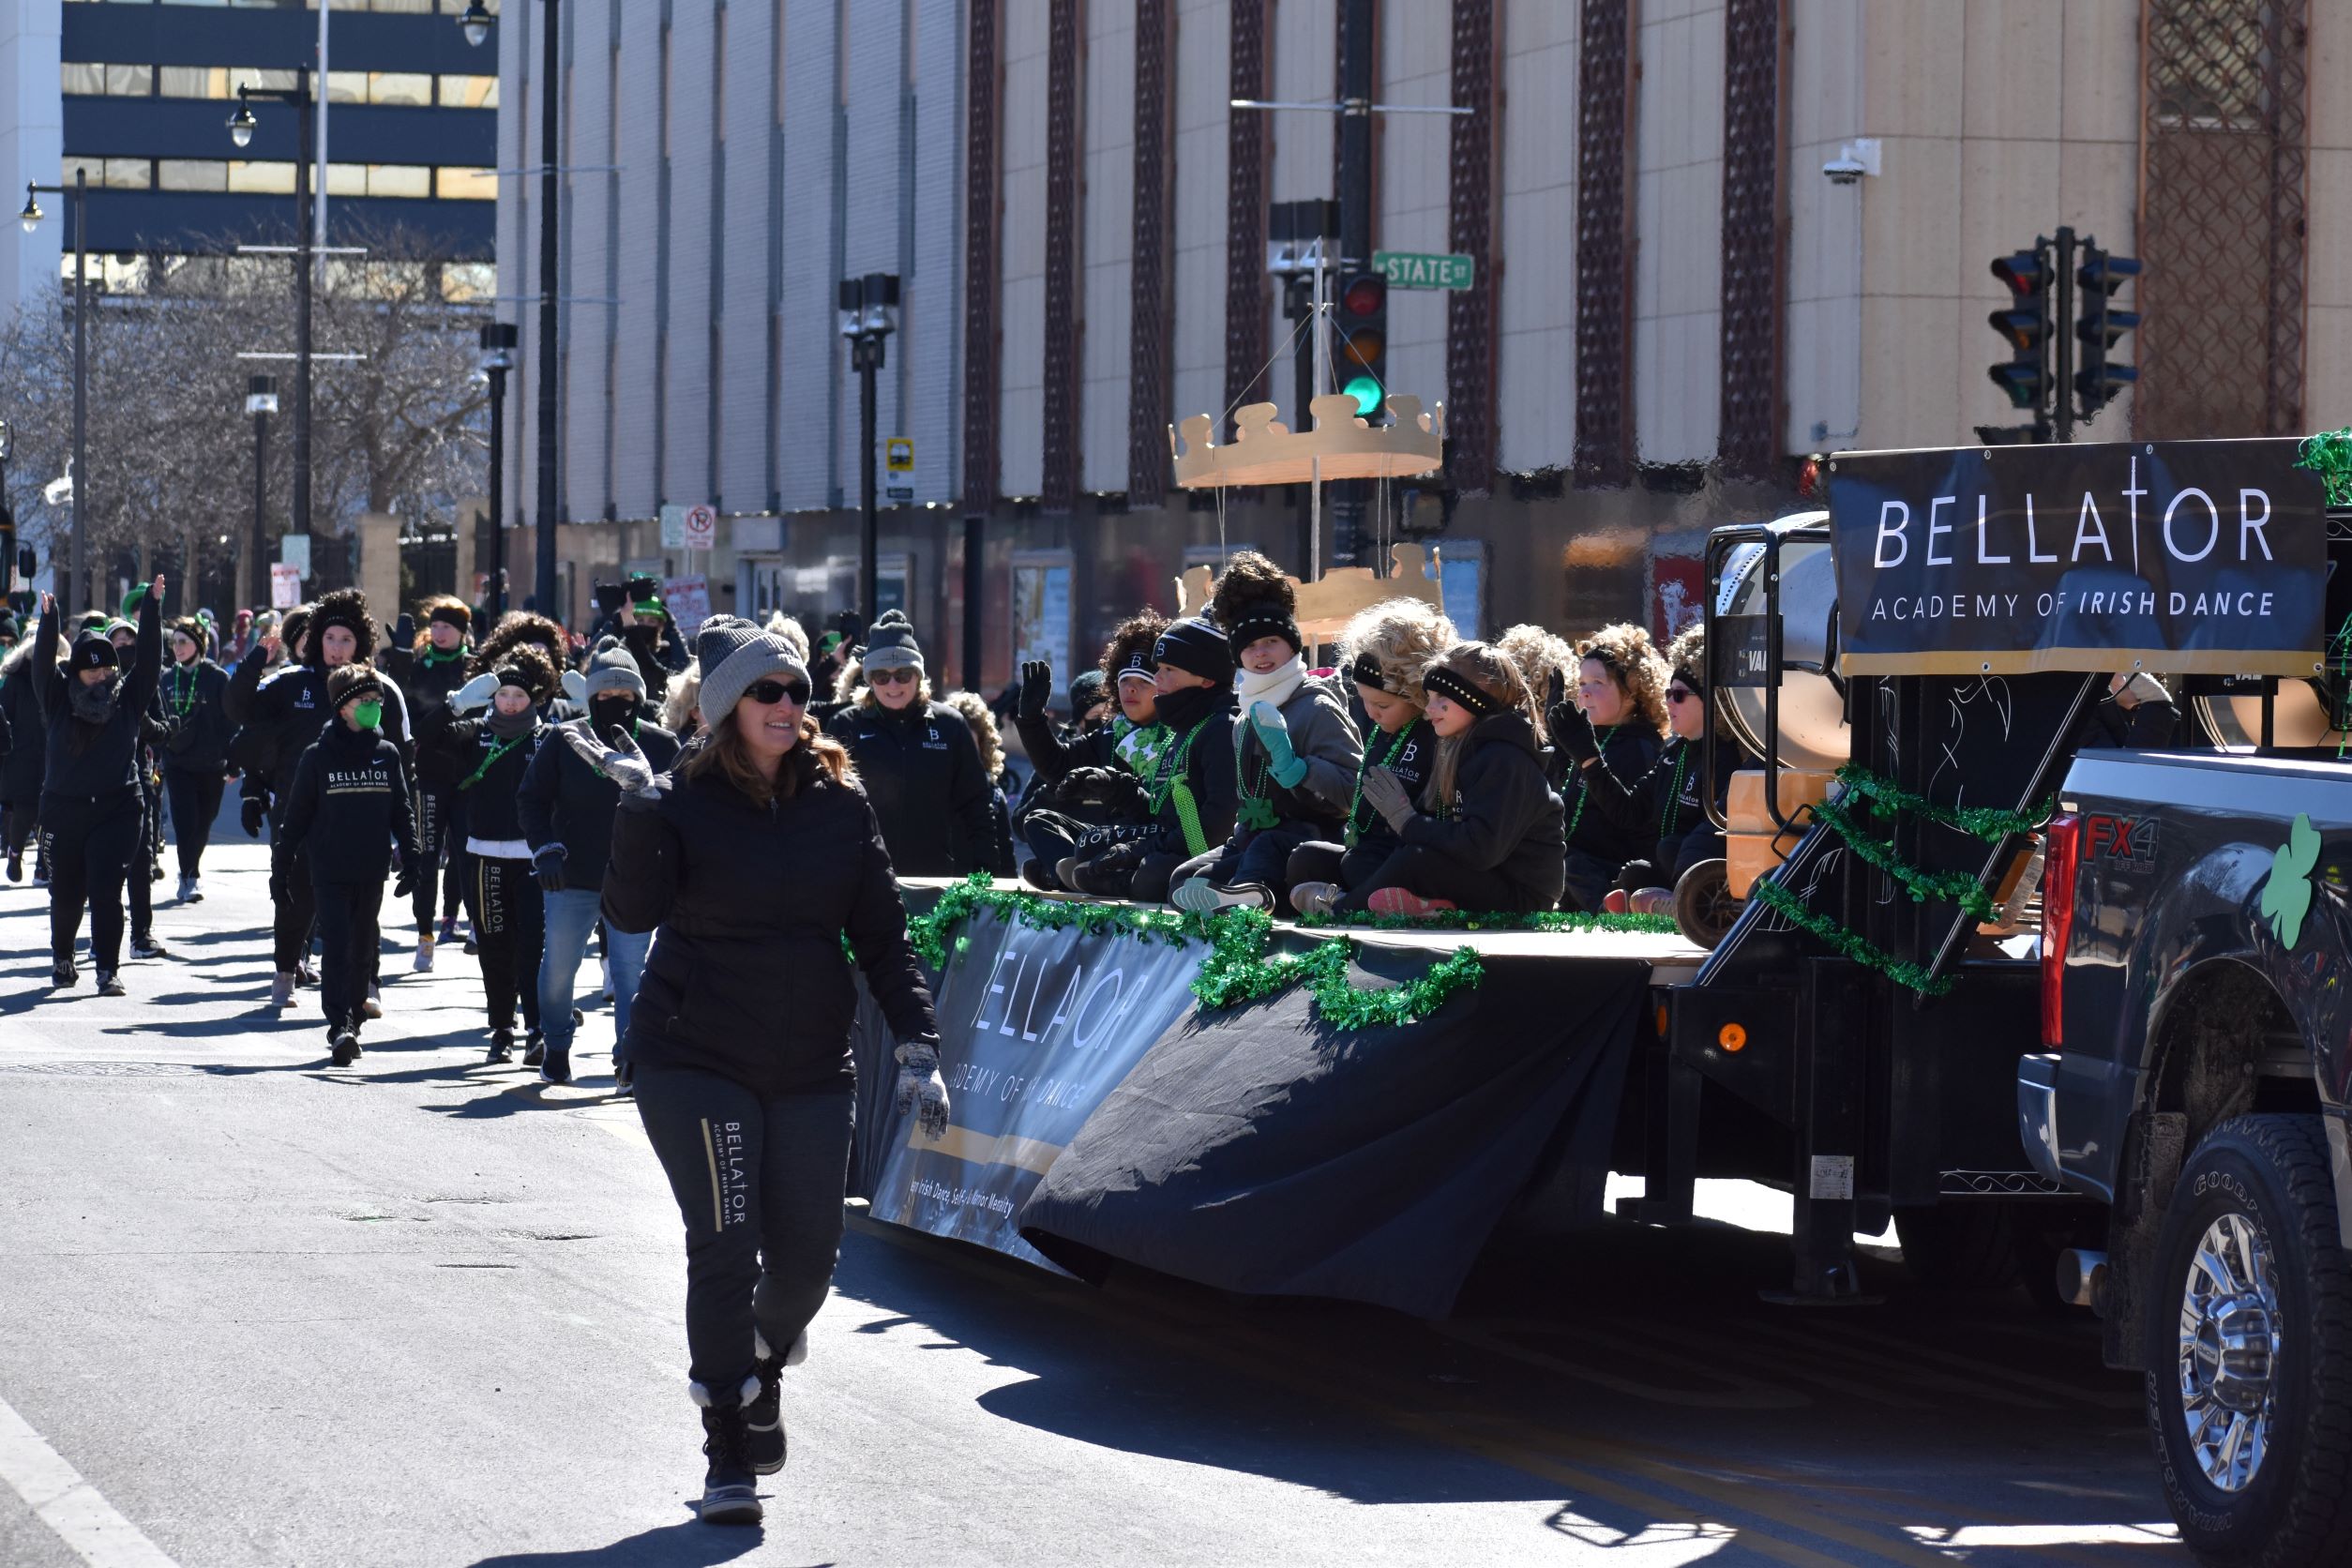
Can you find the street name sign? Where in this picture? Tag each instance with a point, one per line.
(1414, 269)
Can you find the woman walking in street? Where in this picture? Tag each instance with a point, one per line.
(347, 808)
(195, 748)
(916, 757)
(492, 753)
(428, 668)
(566, 804)
(753, 868)
(92, 711)
(20, 774)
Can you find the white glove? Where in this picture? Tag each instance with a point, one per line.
(576, 688)
(919, 1087)
(622, 762)
(475, 695)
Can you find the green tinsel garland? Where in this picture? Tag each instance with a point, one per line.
(1987, 822)
(1883, 797)
(1240, 969)
(1901, 970)
(2329, 455)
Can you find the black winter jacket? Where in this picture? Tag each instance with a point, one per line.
(493, 807)
(1411, 755)
(1209, 774)
(20, 774)
(349, 801)
(1605, 783)
(920, 767)
(1055, 749)
(567, 800)
(749, 905)
(196, 732)
(283, 714)
(1675, 801)
(1504, 816)
(91, 760)
(428, 680)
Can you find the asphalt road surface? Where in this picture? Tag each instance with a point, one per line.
(258, 1310)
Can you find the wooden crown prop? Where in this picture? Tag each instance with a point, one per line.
(1264, 451)
(1326, 606)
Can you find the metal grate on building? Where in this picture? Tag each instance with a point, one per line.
(1604, 371)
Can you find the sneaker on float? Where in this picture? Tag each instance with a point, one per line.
(1404, 901)
(1317, 898)
(1198, 896)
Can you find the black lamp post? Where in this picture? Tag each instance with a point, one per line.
(260, 402)
(241, 126)
(870, 313)
(475, 24)
(77, 595)
(498, 358)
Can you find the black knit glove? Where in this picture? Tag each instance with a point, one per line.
(250, 815)
(1036, 686)
(1112, 790)
(405, 884)
(1572, 735)
(548, 863)
(404, 631)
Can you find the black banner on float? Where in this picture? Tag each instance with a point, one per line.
(2204, 557)
(1037, 1028)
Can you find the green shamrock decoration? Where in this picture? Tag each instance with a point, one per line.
(2329, 454)
(2286, 893)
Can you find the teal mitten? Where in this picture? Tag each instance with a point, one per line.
(1287, 766)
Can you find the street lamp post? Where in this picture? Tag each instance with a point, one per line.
(498, 358)
(870, 313)
(475, 23)
(77, 596)
(260, 402)
(241, 126)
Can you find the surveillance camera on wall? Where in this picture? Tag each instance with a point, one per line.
(1853, 160)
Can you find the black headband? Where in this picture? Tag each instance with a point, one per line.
(1445, 681)
(452, 614)
(1366, 671)
(368, 687)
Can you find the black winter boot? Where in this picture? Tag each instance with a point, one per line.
(729, 1495)
(763, 1415)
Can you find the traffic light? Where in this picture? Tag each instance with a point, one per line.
(2024, 324)
(2098, 325)
(1360, 355)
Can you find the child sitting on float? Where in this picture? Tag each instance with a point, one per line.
(1382, 652)
(1604, 746)
(1676, 793)
(1295, 748)
(1489, 838)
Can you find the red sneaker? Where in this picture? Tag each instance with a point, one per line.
(1615, 901)
(1404, 901)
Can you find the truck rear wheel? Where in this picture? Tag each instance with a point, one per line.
(2249, 1326)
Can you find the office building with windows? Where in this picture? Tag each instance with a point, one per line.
(137, 93)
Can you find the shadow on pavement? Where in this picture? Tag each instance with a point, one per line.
(691, 1545)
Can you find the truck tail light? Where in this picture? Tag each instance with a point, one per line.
(2060, 846)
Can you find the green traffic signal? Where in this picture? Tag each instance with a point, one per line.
(1365, 390)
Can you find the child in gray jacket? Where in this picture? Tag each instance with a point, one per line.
(1295, 746)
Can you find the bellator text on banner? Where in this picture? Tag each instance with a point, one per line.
(2204, 557)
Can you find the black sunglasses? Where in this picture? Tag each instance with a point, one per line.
(769, 693)
(890, 677)
(1679, 694)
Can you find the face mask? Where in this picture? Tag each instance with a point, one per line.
(367, 715)
(94, 704)
(609, 717)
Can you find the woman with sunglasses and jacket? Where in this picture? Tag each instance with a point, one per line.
(918, 759)
(754, 866)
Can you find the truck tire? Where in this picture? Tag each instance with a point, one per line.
(1959, 1247)
(2249, 1343)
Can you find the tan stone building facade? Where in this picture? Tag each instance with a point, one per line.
(1674, 304)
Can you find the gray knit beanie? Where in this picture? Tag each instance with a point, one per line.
(733, 654)
(611, 668)
(890, 644)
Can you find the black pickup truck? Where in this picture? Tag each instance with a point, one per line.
(2196, 1028)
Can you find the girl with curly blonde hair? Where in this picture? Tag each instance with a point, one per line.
(1383, 653)
(1485, 834)
(998, 859)
(1607, 746)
